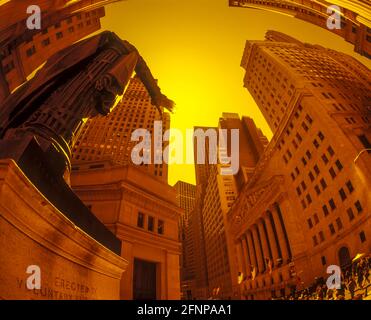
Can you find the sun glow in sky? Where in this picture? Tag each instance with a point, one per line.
(194, 49)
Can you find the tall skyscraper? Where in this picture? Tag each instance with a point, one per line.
(315, 70)
(305, 206)
(218, 194)
(14, 14)
(199, 287)
(186, 194)
(355, 21)
(109, 137)
(186, 197)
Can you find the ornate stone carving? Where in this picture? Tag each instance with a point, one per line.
(250, 198)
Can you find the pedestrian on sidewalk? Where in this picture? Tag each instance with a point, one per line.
(351, 287)
(360, 278)
(366, 275)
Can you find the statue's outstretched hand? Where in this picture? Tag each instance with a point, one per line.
(163, 101)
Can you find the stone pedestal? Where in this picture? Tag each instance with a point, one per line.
(33, 232)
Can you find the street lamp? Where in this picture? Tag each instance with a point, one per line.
(359, 154)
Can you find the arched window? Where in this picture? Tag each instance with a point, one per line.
(344, 257)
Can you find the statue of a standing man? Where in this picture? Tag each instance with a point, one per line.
(77, 83)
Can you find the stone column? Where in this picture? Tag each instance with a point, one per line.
(240, 257)
(247, 255)
(251, 250)
(272, 240)
(281, 235)
(259, 253)
(264, 242)
(285, 224)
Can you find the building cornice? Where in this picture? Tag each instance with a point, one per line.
(122, 190)
(135, 235)
(361, 11)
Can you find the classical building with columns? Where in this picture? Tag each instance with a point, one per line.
(355, 17)
(307, 204)
(269, 246)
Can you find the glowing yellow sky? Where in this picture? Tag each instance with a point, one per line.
(194, 48)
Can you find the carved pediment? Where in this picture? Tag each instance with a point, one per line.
(251, 198)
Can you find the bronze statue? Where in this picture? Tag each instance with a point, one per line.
(40, 122)
(79, 82)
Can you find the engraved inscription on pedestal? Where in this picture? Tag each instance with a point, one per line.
(33, 232)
